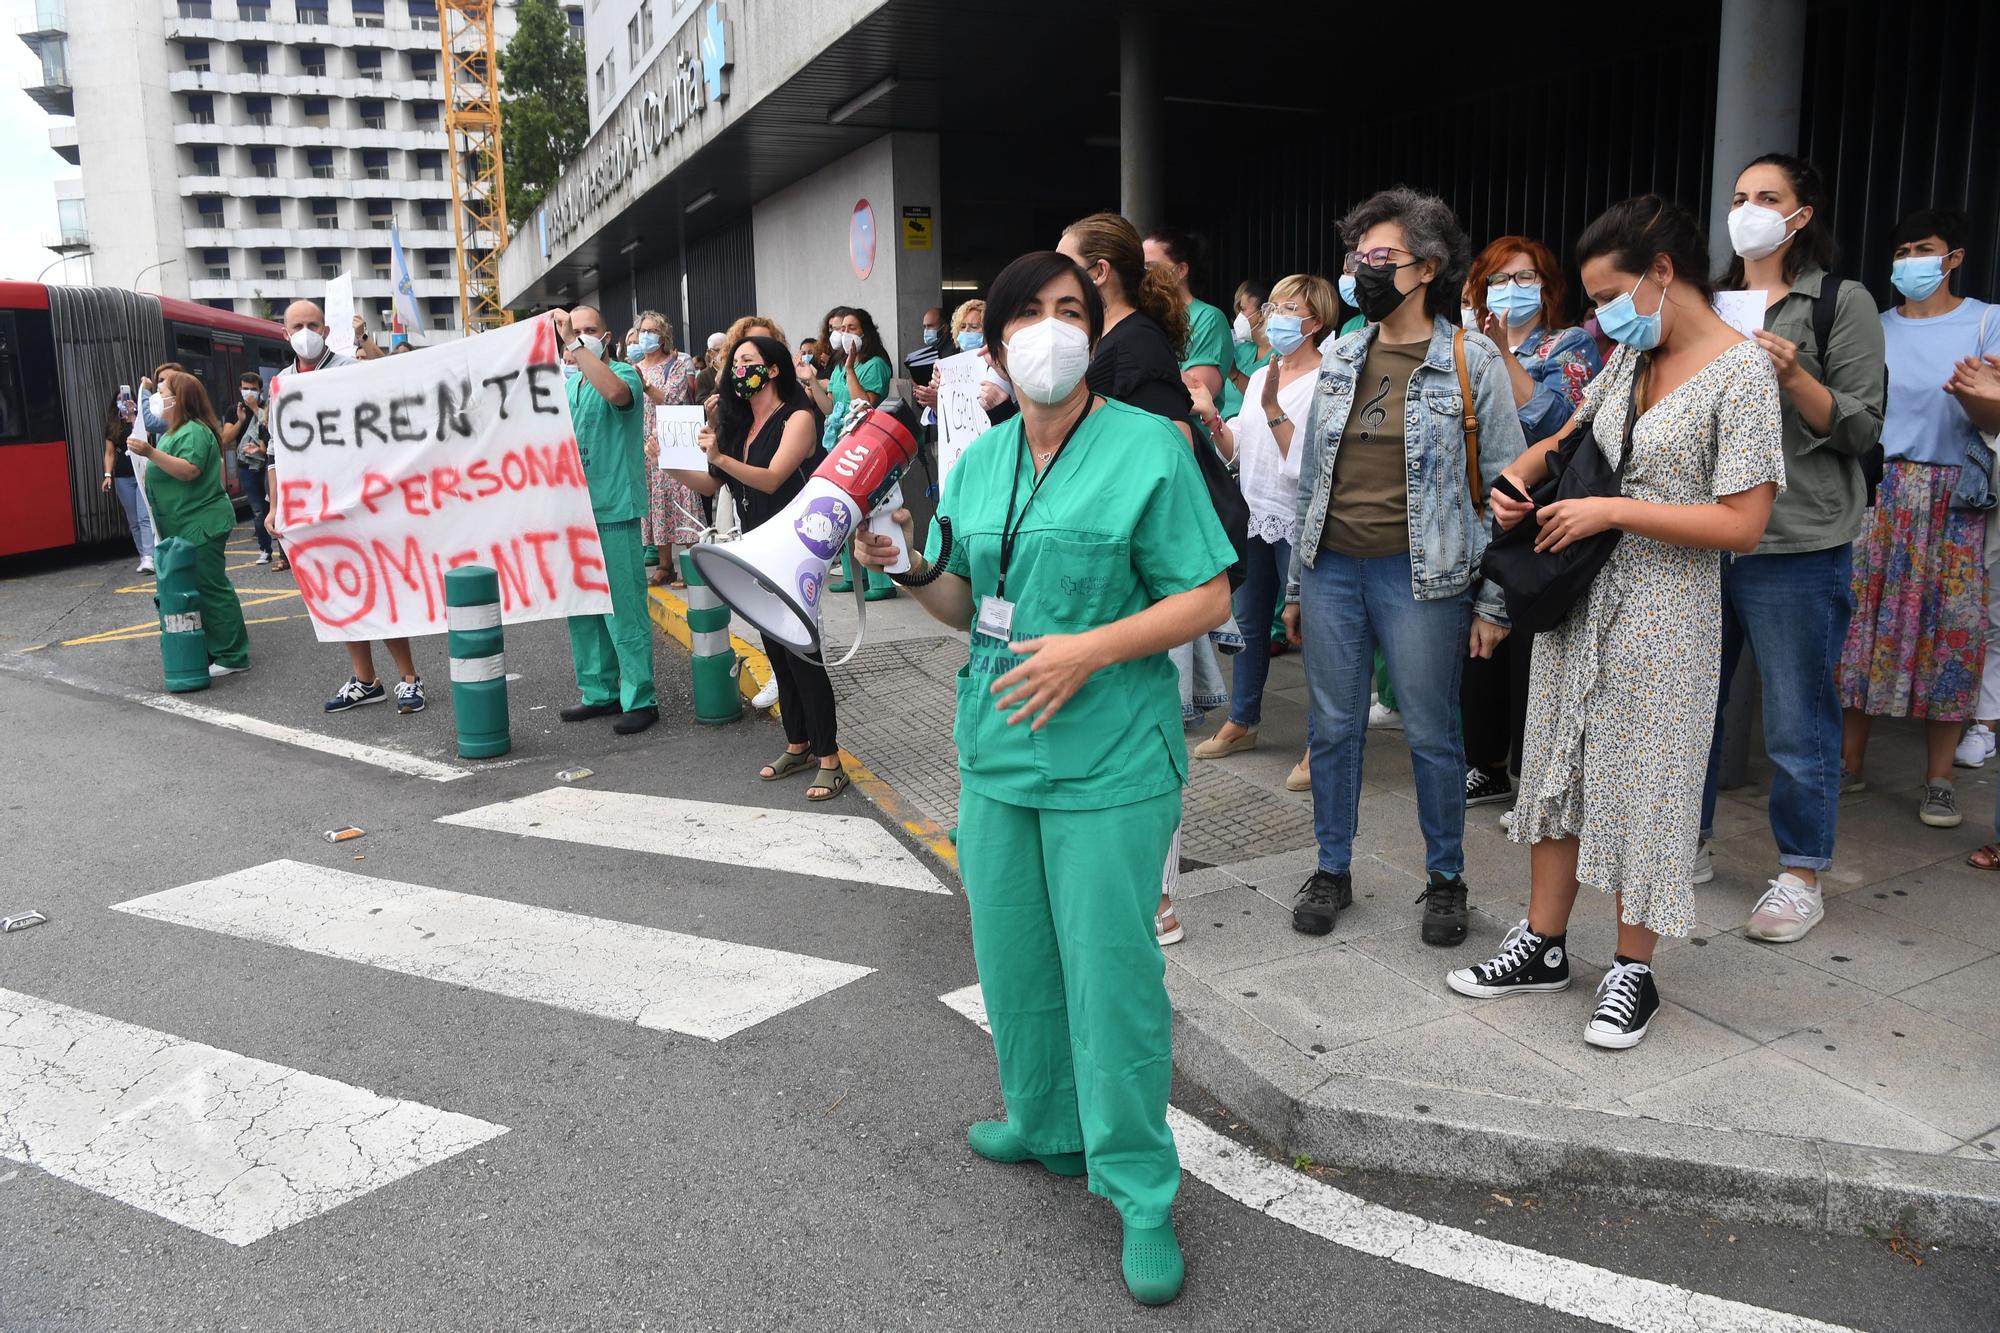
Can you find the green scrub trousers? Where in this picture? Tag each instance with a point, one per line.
(221, 612)
(1062, 929)
(614, 654)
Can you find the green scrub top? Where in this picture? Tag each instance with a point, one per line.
(874, 376)
(1209, 342)
(199, 510)
(1248, 363)
(1122, 520)
(612, 442)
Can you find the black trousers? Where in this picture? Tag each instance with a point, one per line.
(805, 700)
(1493, 704)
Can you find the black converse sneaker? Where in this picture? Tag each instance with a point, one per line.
(1320, 900)
(1483, 788)
(1626, 1003)
(1445, 914)
(1526, 962)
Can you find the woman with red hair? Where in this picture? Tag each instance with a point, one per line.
(1520, 301)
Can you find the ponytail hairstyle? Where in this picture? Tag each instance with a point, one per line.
(1811, 245)
(1109, 239)
(1634, 233)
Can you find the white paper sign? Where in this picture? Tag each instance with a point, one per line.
(1742, 311)
(391, 472)
(679, 433)
(340, 314)
(961, 419)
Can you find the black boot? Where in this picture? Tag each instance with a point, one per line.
(1320, 900)
(1444, 910)
(636, 721)
(584, 712)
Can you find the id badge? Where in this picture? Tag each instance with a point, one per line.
(996, 619)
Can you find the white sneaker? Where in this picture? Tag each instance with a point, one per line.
(1788, 909)
(1380, 718)
(217, 669)
(263, 558)
(1975, 748)
(1704, 865)
(146, 565)
(766, 696)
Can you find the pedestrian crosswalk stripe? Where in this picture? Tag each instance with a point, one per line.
(611, 969)
(1565, 1285)
(841, 847)
(233, 1147)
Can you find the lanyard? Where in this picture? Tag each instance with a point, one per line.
(1012, 529)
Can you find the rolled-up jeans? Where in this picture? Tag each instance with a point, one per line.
(1348, 607)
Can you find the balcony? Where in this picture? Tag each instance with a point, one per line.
(243, 83)
(206, 235)
(397, 35)
(68, 241)
(51, 90)
(291, 185)
(62, 139)
(49, 23)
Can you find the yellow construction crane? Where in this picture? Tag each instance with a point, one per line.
(478, 174)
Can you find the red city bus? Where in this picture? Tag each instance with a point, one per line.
(63, 353)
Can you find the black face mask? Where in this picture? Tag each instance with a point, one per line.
(1376, 293)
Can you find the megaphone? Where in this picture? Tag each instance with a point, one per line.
(775, 576)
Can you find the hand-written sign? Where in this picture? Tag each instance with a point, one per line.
(961, 419)
(678, 430)
(390, 472)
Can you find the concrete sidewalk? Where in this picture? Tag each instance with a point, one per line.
(1832, 1083)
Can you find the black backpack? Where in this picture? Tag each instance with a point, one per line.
(1824, 307)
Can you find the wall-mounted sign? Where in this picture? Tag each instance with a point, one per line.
(916, 227)
(861, 239)
(677, 88)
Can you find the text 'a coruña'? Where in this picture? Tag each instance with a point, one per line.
(445, 409)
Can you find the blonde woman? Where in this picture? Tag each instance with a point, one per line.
(672, 516)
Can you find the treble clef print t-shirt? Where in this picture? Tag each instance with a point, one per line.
(1367, 514)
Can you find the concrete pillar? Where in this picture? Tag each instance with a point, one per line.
(1760, 73)
(1141, 125)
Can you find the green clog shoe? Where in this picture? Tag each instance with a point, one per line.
(996, 1142)
(1153, 1266)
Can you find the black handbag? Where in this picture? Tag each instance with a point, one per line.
(1543, 587)
(1227, 497)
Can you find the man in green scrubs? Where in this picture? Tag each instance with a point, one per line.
(613, 654)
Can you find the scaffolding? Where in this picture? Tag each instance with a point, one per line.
(478, 172)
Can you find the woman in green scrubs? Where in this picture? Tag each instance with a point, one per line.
(184, 488)
(1083, 546)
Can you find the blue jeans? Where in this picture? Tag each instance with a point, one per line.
(1350, 606)
(1793, 609)
(1265, 572)
(137, 521)
(252, 480)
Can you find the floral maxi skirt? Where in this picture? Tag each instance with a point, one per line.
(1917, 643)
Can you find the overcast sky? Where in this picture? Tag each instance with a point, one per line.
(27, 166)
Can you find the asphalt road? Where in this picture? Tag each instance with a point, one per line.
(806, 1171)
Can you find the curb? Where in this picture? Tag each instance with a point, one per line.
(669, 613)
(1369, 1124)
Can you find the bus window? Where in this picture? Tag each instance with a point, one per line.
(30, 411)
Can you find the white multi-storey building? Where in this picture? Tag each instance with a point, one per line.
(242, 152)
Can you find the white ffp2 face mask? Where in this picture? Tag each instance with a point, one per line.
(1756, 232)
(307, 344)
(1047, 359)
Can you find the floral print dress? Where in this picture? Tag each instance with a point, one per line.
(667, 521)
(1621, 701)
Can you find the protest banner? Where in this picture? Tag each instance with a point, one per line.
(678, 430)
(390, 472)
(961, 419)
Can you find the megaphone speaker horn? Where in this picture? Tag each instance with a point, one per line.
(775, 576)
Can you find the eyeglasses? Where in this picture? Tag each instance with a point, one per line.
(1268, 309)
(1379, 257)
(1526, 277)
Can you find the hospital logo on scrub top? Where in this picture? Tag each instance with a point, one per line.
(823, 526)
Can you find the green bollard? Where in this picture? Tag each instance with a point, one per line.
(716, 696)
(478, 661)
(183, 645)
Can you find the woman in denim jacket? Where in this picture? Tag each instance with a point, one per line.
(1390, 535)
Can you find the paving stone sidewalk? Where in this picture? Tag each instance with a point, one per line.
(1869, 1051)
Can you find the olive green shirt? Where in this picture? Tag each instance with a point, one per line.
(196, 511)
(1825, 495)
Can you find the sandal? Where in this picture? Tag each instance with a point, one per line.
(787, 764)
(830, 783)
(1985, 858)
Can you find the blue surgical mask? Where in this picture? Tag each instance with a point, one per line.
(1918, 276)
(1285, 333)
(649, 343)
(971, 340)
(1622, 322)
(930, 337)
(571, 370)
(1519, 304)
(1348, 297)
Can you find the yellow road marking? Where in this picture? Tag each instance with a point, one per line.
(112, 636)
(138, 631)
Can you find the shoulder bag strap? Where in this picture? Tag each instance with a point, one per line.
(1471, 422)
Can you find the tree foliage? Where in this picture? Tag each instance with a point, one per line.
(545, 112)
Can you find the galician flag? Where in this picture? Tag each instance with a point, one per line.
(405, 291)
